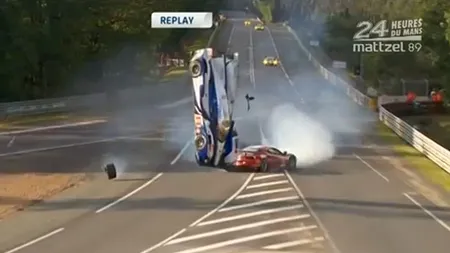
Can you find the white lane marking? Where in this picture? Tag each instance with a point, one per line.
(267, 184)
(54, 232)
(252, 214)
(371, 167)
(176, 103)
(251, 60)
(186, 146)
(164, 242)
(232, 197)
(230, 38)
(267, 176)
(284, 245)
(428, 212)
(255, 194)
(52, 127)
(129, 194)
(313, 213)
(258, 203)
(234, 229)
(282, 66)
(144, 138)
(11, 142)
(71, 145)
(246, 239)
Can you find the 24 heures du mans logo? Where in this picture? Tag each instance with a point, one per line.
(397, 36)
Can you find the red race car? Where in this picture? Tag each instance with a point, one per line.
(264, 158)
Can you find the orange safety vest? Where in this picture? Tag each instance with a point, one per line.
(433, 97)
(439, 97)
(410, 97)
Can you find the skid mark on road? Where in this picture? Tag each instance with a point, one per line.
(267, 214)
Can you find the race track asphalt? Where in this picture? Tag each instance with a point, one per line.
(147, 145)
(360, 198)
(352, 203)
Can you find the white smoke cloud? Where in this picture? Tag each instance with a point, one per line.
(293, 131)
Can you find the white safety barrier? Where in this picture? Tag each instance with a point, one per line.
(423, 144)
(432, 150)
(353, 93)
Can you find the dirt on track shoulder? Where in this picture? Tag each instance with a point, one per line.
(20, 190)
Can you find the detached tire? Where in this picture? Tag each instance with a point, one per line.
(292, 163)
(264, 167)
(111, 171)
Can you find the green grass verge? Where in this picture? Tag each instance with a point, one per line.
(266, 10)
(417, 160)
(28, 120)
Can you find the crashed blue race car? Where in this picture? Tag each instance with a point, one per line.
(214, 79)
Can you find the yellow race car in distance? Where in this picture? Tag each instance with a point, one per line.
(247, 22)
(271, 61)
(259, 27)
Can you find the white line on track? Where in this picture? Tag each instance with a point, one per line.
(235, 228)
(246, 239)
(372, 168)
(311, 211)
(162, 243)
(52, 127)
(11, 142)
(284, 245)
(176, 103)
(186, 146)
(267, 176)
(258, 203)
(129, 194)
(232, 197)
(267, 184)
(281, 64)
(34, 241)
(255, 194)
(251, 60)
(230, 38)
(428, 212)
(252, 214)
(144, 138)
(71, 145)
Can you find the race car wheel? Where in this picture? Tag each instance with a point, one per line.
(292, 162)
(196, 68)
(264, 167)
(111, 171)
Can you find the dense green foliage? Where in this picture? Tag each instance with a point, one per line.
(433, 60)
(44, 44)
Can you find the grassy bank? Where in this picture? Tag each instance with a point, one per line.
(265, 7)
(417, 160)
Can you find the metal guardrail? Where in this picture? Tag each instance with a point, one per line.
(353, 93)
(432, 150)
(76, 103)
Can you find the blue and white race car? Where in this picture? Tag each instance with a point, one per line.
(214, 79)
